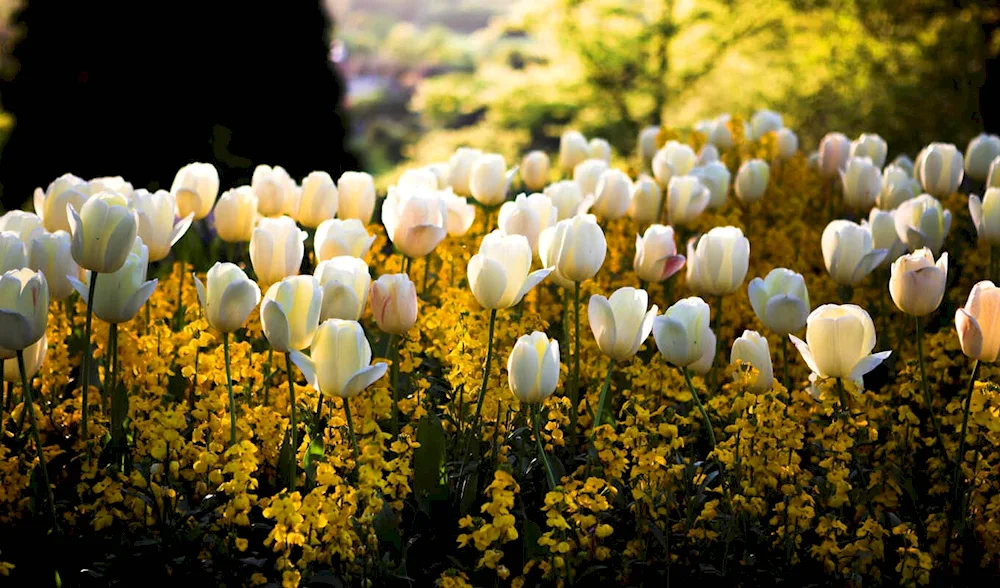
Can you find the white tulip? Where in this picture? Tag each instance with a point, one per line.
(276, 249)
(228, 296)
(274, 188)
(290, 312)
(939, 169)
(986, 215)
(533, 368)
(195, 188)
(917, 283)
(980, 153)
(849, 252)
(345, 282)
(599, 148)
(587, 173)
(335, 237)
(764, 122)
(622, 322)
(862, 182)
(356, 196)
(709, 153)
(528, 216)
(646, 199)
(647, 143)
(49, 253)
(567, 198)
(461, 214)
(25, 224)
(574, 248)
(236, 215)
(719, 134)
(614, 194)
(118, 296)
(319, 200)
(415, 223)
(460, 169)
(786, 143)
(687, 198)
(834, 150)
(751, 180)
(684, 336)
(572, 150)
(535, 170)
(751, 348)
(871, 146)
(498, 274)
(155, 214)
(923, 222)
(718, 264)
(780, 300)
(839, 342)
(897, 187)
(882, 225)
(716, 177)
(12, 253)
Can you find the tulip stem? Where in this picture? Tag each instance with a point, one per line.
(927, 394)
(267, 375)
(111, 383)
(574, 391)
(29, 405)
(959, 511)
(701, 407)
(394, 378)
(536, 424)
(350, 429)
(600, 404)
(180, 296)
(994, 263)
(427, 271)
(148, 321)
(87, 355)
(229, 385)
(294, 433)
(842, 395)
(784, 367)
(406, 265)
(482, 389)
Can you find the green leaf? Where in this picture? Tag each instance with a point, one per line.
(314, 455)
(286, 461)
(530, 534)
(429, 458)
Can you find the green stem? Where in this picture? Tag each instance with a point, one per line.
(994, 263)
(784, 367)
(87, 355)
(483, 387)
(394, 379)
(427, 271)
(642, 284)
(229, 385)
(958, 512)
(29, 405)
(267, 376)
(295, 424)
(406, 265)
(148, 321)
(111, 383)
(574, 391)
(541, 447)
(350, 429)
(180, 295)
(927, 394)
(602, 399)
(842, 394)
(701, 407)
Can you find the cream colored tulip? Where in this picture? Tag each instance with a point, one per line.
(940, 169)
(646, 199)
(684, 336)
(340, 359)
(751, 180)
(786, 143)
(195, 188)
(574, 248)
(489, 180)
(917, 284)
(319, 200)
(978, 323)
(708, 154)
(780, 300)
(986, 215)
(897, 187)
(156, 226)
(236, 215)
(572, 151)
(119, 295)
(599, 148)
(276, 249)
(567, 198)
(393, 299)
(980, 153)
(647, 144)
(751, 348)
(656, 257)
(461, 214)
(923, 222)
(356, 196)
(903, 161)
(50, 205)
(993, 178)
(535, 170)
(50, 254)
(716, 177)
(862, 182)
(460, 169)
(882, 225)
(116, 184)
(613, 194)
(415, 223)
(622, 322)
(834, 150)
(415, 180)
(718, 264)
(228, 296)
(290, 312)
(687, 198)
(764, 122)
(335, 237)
(528, 216)
(274, 188)
(871, 146)
(24, 310)
(34, 356)
(345, 282)
(674, 159)
(533, 367)
(103, 232)
(849, 252)
(12, 253)
(839, 342)
(499, 274)
(440, 171)
(587, 174)
(25, 224)
(719, 134)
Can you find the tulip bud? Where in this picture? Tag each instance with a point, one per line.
(587, 174)
(752, 179)
(345, 282)
(871, 146)
(440, 171)
(780, 300)
(940, 169)
(34, 356)
(119, 295)
(839, 342)
(12, 253)
(751, 348)
(528, 216)
(572, 150)
(50, 205)
(566, 196)
(687, 198)
(862, 183)
(978, 323)
(917, 284)
(273, 187)
(786, 143)
(897, 187)
(834, 150)
(356, 196)
(415, 223)
(614, 194)
(656, 257)
(882, 225)
(393, 300)
(574, 248)
(340, 362)
(236, 215)
(498, 274)
(621, 323)
(679, 157)
(50, 254)
(460, 169)
(980, 153)
(718, 265)
(116, 184)
(986, 215)
(533, 368)
(488, 182)
(903, 161)
(24, 310)
(461, 214)
(645, 204)
(715, 176)
(923, 222)
(599, 149)
(103, 232)
(708, 154)
(319, 199)
(156, 226)
(764, 122)
(335, 237)
(719, 133)
(684, 336)
(535, 170)
(228, 298)
(290, 312)
(647, 144)
(25, 224)
(195, 187)
(849, 252)
(276, 249)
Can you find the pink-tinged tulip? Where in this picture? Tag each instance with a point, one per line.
(917, 283)
(393, 299)
(656, 257)
(978, 323)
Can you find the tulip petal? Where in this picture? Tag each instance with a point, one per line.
(549, 377)
(523, 369)
(602, 323)
(138, 298)
(976, 211)
(200, 288)
(757, 293)
(488, 280)
(707, 349)
(180, 228)
(307, 366)
(533, 279)
(276, 325)
(867, 364)
(806, 353)
(672, 265)
(363, 379)
(970, 336)
(80, 287)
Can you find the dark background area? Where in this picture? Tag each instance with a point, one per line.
(139, 89)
